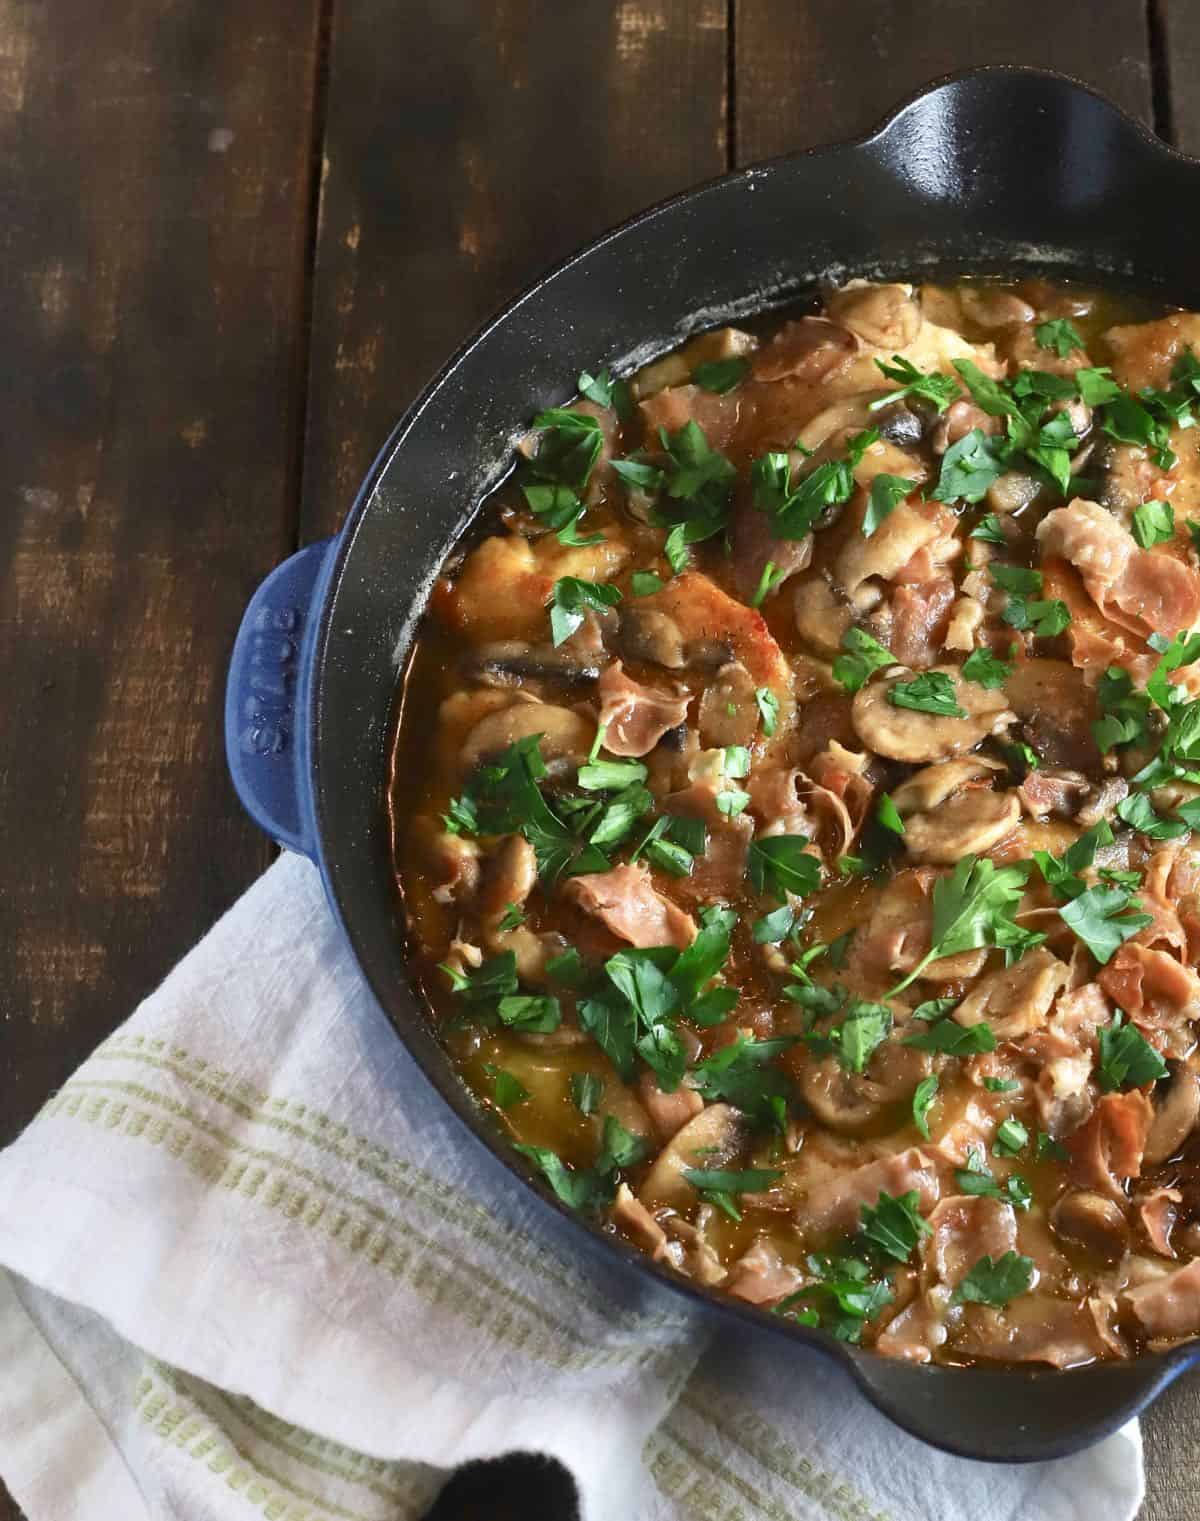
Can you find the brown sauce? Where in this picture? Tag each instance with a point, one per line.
(1075, 1306)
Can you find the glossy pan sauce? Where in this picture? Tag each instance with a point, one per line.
(792, 803)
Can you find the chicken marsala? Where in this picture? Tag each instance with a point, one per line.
(794, 801)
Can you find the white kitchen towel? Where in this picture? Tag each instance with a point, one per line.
(255, 1269)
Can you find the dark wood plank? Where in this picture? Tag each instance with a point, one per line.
(460, 166)
(1176, 35)
(155, 165)
(816, 71)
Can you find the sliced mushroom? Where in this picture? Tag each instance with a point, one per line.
(904, 735)
(1102, 803)
(566, 735)
(1092, 1222)
(728, 711)
(646, 634)
(901, 425)
(822, 617)
(1176, 1113)
(1012, 492)
(885, 316)
(510, 662)
(967, 822)
(452, 860)
(1056, 708)
(1016, 999)
(632, 1217)
(508, 879)
(848, 1102)
(712, 1139)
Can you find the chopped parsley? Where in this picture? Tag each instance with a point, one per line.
(887, 491)
(719, 1186)
(507, 1090)
(768, 709)
(569, 601)
(584, 1188)
(721, 375)
(1060, 336)
(1153, 523)
(494, 978)
(939, 390)
(996, 1282)
(770, 579)
(894, 1226)
(782, 863)
(864, 655)
(530, 1013)
(586, 1089)
(1127, 1059)
(931, 692)
(644, 583)
(969, 468)
(743, 1074)
(1104, 918)
(972, 907)
(986, 669)
(988, 529)
(794, 508)
(888, 815)
(1139, 813)
(954, 1039)
(923, 1096)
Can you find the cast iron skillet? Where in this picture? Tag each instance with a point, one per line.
(1001, 170)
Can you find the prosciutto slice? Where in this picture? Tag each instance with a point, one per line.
(625, 901)
(833, 1203)
(634, 717)
(1168, 1306)
(1155, 990)
(1144, 590)
(1109, 1146)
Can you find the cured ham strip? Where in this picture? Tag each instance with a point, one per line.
(760, 1276)
(1157, 1214)
(625, 901)
(1154, 989)
(634, 717)
(1168, 1306)
(834, 1203)
(701, 610)
(1144, 590)
(1109, 1146)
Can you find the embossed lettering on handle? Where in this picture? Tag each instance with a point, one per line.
(269, 703)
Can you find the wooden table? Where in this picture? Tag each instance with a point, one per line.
(236, 237)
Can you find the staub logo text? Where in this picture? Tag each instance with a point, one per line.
(270, 686)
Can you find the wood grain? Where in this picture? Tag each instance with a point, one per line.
(815, 71)
(156, 179)
(459, 166)
(1176, 34)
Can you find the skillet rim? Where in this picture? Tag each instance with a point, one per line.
(1149, 1373)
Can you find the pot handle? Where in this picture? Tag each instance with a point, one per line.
(267, 699)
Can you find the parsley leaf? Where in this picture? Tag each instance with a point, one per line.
(894, 1226)
(972, 907)
(939, 390)
(1016, 578)
(1011, 1138)
(767, 583)
(887, 491)
(1061, 873)
(864, 656)
(768, 709)
(986, 669)
(1138, 812)
(644, 583)
(1127, 1059)
(1123, 711)
(586, 1089)
(1043, 618)
(512, 918)
(569, 600)
(607, 392)
(507, 1090)
(854, 1039)
(1060, 335)
(989, 530)
(795, 508)
(530, 1014)
(969, 467)
(954, 1039)
(1099, 918)
(495, 978)
(996, 1282)
(741, 1074)
(773, 927)
(923, 1096)
(719, 1185)
(931, 692)
(781, 864)
(721, 375)
(980, 1184)
(888, 815)
(1096, 385)
(1153, 523)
